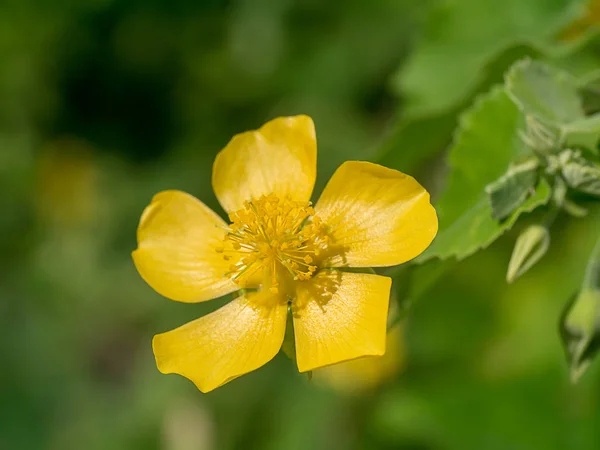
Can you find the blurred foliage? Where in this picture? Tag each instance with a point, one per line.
(106, 102)
(472, 33)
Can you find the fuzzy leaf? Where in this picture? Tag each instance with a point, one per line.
(477, 229)
(547, 93)
(485, 144)
(509, 191)
(582, 176)
(583, 133)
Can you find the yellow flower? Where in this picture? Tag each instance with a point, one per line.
(278, 250)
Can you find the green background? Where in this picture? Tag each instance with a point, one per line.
(103, 103)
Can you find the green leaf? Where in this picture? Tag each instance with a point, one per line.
(547, 93)
(476, 229)
(583, 133)
(580, 326)
(511, 189)
(485, 144)
(582, 176)
(462, 37)
(532, 244)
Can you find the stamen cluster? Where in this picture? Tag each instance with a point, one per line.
(274, 235)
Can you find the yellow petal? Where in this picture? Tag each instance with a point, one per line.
(280, 158)
(236, 339)
(377, 216)
(177, 237)
(340, 316)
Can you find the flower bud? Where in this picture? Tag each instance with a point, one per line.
(532, 244)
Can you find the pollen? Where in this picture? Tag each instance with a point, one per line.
(276, 238)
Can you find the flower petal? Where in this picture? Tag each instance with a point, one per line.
(280, 158)
(377, 216)
(177, 237)
(340, 316)
(236, 339)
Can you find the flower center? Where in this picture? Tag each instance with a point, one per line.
(276, 237)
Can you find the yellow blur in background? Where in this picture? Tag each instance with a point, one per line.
(365, 374)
